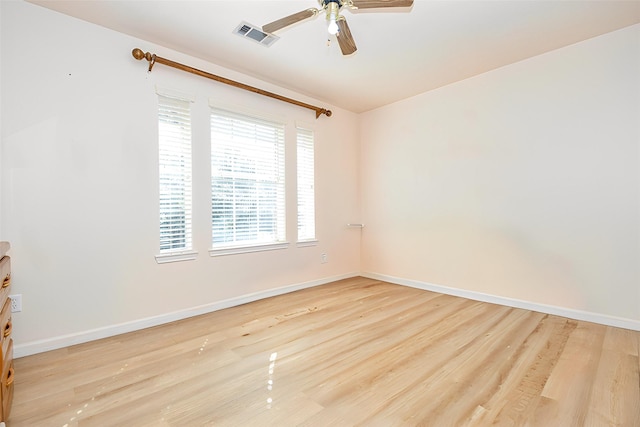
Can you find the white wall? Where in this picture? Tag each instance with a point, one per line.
(521, 183)
(80, 191)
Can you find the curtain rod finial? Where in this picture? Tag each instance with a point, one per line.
(138, 54)
(321, 111)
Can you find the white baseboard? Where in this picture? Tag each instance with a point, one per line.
(40, 346)
(587, 316)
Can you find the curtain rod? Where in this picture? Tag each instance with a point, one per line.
(153, 59)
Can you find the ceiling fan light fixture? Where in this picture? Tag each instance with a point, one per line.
(333, 9)
(333, 27)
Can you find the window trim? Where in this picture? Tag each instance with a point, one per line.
(307, 243)
(176, 257)
(245, 249)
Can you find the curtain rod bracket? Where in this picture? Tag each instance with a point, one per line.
(152, 58)
(140, 55)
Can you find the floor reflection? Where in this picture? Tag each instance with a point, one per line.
(272, 366)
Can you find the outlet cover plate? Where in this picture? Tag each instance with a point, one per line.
(16, 303)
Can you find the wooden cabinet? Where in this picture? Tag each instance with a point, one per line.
(6, 342)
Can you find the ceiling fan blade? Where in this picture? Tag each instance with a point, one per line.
(345, 39)
(370, 4)
(289, 20)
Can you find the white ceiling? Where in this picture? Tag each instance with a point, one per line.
(400, 52)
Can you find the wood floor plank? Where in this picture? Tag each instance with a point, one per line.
(620, 378)
(514, 402)
(389, 373)
(357, 352)
(572, 378)
(454, 374)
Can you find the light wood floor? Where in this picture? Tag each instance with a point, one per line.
(354, 352)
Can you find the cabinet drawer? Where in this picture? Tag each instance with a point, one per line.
(5, 325)
(6, 383)
(5, 277)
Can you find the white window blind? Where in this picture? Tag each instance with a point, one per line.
(247, 180)
(306, 185)
(174, 120)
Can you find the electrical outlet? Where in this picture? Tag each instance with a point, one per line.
(16, 303)
(323, 258)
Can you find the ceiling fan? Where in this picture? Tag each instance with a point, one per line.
(337, 23)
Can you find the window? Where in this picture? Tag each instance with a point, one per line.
(174, 120)
(247, 181)
(306, 193)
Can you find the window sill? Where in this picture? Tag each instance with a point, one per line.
(176, 257)
(232, 250)
(307, 243)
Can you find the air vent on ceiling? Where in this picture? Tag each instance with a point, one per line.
(253, 33)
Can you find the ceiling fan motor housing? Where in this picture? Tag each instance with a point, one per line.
(325, 3)
(333, 8)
